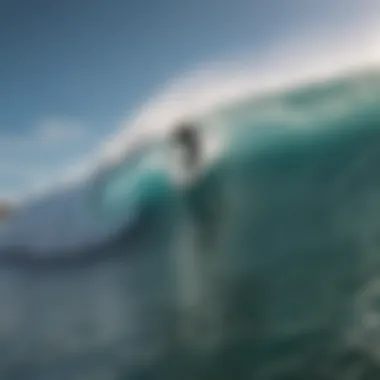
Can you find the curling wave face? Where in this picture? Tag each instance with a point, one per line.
(259, 262)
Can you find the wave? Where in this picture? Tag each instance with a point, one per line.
(262, 265)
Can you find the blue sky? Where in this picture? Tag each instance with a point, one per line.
(71, 71)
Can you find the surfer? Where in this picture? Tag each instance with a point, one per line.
(186, 135)
(203, 207)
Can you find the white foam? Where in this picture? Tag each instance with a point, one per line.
(212, 84)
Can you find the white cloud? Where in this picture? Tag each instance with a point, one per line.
(47, 133)
(55, 152)
(52, 131)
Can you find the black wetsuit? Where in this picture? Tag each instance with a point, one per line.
(203, 196)
(187, 136)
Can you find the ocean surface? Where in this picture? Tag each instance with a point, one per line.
(262, 264)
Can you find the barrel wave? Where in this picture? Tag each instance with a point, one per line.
(261, 263)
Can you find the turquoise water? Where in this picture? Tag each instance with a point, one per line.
(278, 238)
(264, 266)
